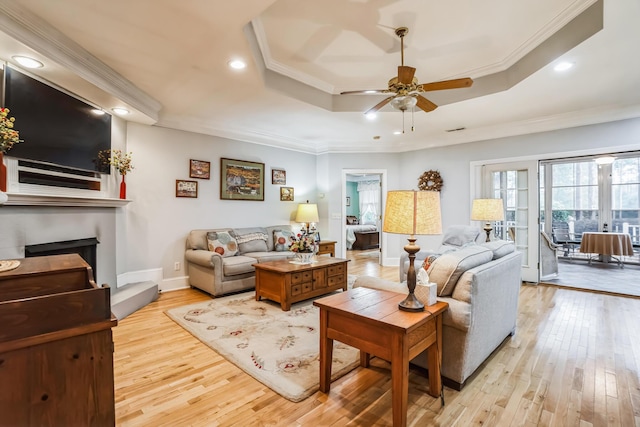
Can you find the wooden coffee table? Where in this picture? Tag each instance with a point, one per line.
(286, 283)
(369, 319)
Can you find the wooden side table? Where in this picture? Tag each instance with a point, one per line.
(369, 319)
(327, 247)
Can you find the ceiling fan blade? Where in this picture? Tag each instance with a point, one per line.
(424, 104)
(405, 74)
(379, 105)
(368, 91)
(447, 84)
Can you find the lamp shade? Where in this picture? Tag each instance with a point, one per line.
(487, 210)
(412, 212)
(307, 212)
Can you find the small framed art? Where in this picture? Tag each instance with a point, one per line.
(241, 180)
(278, 176)
(199, 169)
(186, 188)
(286, 194)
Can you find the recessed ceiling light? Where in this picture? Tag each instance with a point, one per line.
(25, 61)
(371, 116)
(237, 64)
(563, 66)
(97, 111)
(119, 110)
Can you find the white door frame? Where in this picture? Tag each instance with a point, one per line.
(383, 201)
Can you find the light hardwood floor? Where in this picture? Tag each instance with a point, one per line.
(573, 362)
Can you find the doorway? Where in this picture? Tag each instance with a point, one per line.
(363, 198)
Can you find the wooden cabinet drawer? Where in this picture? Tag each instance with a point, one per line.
(307, 287)
(336, 280)
(303, 276)
(336, 269)
(296, 289)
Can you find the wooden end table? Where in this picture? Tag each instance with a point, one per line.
(286, 282)
(369, 319)
(327, 247)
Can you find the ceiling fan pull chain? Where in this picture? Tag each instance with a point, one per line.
(412, 110)
(402, 122)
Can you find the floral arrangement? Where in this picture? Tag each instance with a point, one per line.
(8, 135)
(118, 159)
(303, 242)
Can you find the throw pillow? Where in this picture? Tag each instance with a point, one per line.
(429, 260)
(458, 235)
(222, 242)
(447, 269)
(252, 241)
(281, 240)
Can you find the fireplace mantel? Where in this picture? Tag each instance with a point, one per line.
(21, 199)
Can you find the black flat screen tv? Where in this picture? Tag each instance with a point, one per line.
(56, 127)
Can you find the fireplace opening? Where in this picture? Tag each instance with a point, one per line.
(86, 248)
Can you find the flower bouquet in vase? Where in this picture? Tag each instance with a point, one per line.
(304, 245)
(8, 137)
(121, 161)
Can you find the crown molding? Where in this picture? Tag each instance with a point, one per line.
(278, 67)
(39, 35)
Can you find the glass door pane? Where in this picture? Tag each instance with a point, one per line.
(625, 197)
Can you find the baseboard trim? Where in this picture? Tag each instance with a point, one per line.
(174, 284)
(151, 275)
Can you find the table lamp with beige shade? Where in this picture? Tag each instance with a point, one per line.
(412, 212)
(307, 213)
(487, 210)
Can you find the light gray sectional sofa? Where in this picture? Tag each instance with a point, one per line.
(220, 261)
(481, 283)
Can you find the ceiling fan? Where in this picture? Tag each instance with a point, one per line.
(406, 88)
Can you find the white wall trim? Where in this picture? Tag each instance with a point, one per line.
(151, 275)
(174, 284)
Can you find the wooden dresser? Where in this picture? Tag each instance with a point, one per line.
(56, 347)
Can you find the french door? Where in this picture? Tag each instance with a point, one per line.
(517, 185)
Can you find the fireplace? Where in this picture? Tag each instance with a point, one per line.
(86, 248)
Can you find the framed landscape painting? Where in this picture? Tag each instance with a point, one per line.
(241, 180)
(199, 169)
(186, 188)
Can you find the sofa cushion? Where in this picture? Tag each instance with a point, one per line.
(500, 248)
(222, 242)
(239, 264)
(282, 239)
(252, 239)
(270, 256)
(447, 269)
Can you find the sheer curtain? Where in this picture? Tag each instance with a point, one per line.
(369, 195)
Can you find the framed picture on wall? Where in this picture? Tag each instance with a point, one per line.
(199, 169)
(241, 180)
(348, 201)
(278, 176)
(286, 194)
(186, 188)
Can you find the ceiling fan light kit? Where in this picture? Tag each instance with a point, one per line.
(405, 87)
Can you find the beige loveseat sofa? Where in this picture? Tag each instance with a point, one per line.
(481, 283)
(220, 261)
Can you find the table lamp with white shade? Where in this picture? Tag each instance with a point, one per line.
(487, 210)
(412, 212)
(307, 213)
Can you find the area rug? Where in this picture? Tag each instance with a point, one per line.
(278, 348)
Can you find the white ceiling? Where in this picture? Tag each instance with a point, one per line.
(167, 62)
